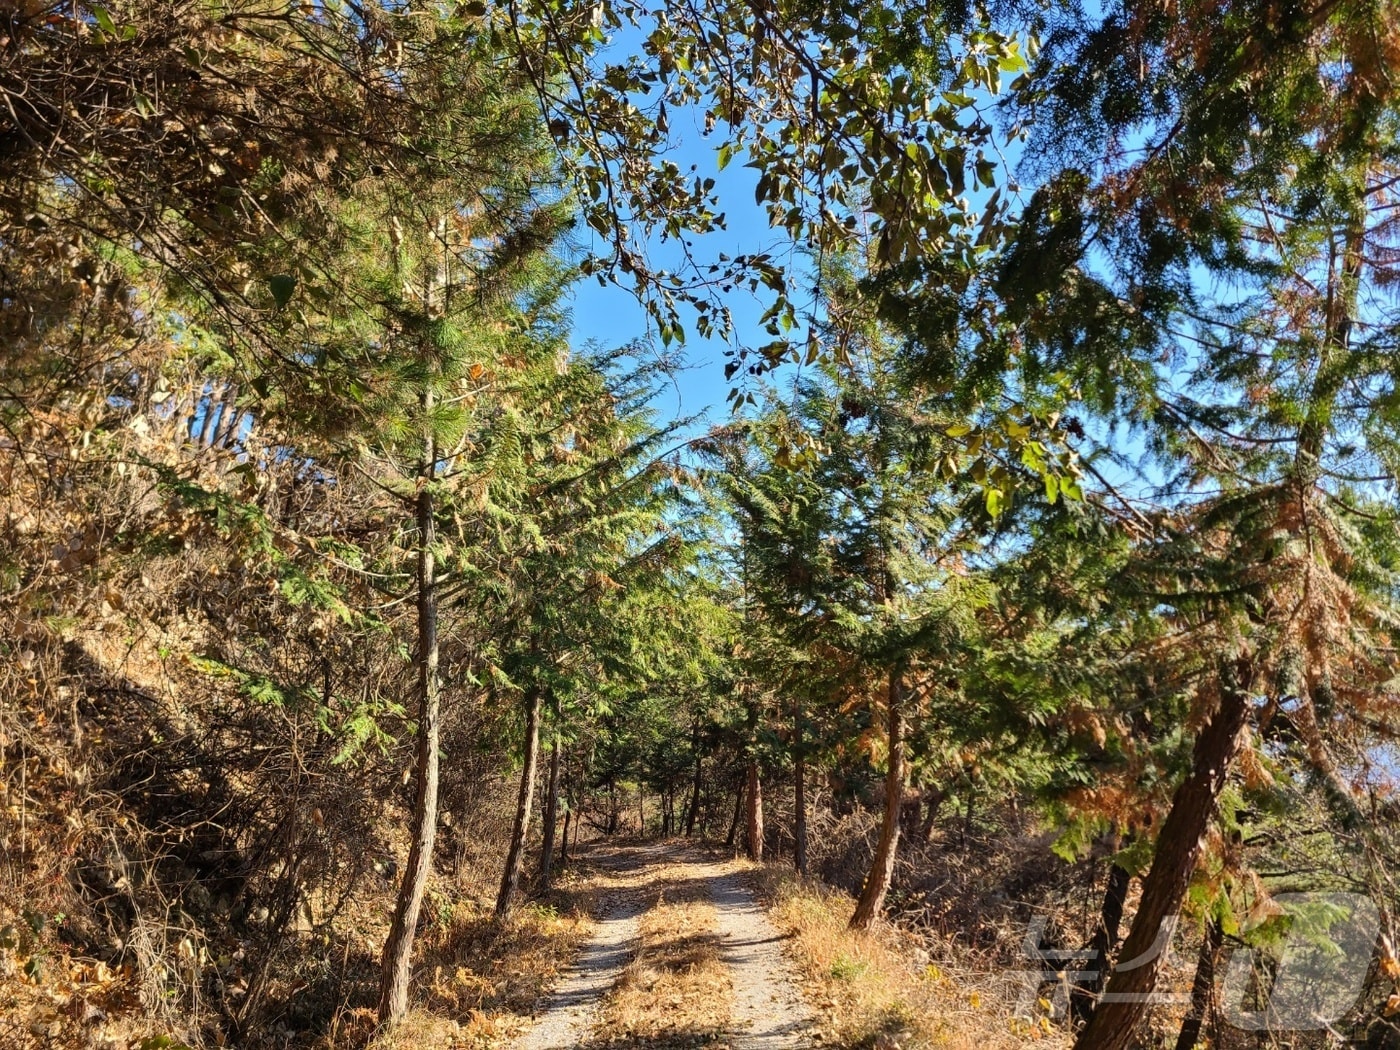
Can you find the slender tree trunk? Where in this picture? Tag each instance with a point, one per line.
(738, 812)
(396, 965)
(754, 829)
(1337, 792)
(229, 418)
(510, 881)
(564, 844)
(1086, 991)
(213, 409)
(641, 812)
(799, 833)
(1125, 1000)
(799, 775)
(1202, 987)
(186, 416)
(932, 804)
(909, 822)
(551, 816)
(877, 883)
(694, 810)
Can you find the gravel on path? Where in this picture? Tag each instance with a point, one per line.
(768, 1011)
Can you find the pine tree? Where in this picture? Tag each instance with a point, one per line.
(1268, 425)
(592, 519)
(436, 276)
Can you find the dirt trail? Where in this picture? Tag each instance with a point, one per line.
(767, 1011)
(570, 1012)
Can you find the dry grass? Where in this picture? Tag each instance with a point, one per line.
(880, 990)
(50, 1001)
(676, 992)
(479, 980)
(419, 1030)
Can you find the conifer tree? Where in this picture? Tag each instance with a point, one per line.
(592, 522)
(853, 535)
(441, 362)
(424, 349)
(1271, 423)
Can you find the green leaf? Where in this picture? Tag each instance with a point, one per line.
(161, 1042)
(104, 19)
(282, 285)
(726, 154)
(1012, 61)
(995, 502)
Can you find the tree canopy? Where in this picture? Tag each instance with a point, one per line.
(1056, 483)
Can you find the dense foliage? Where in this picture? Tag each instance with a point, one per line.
(1057, 493)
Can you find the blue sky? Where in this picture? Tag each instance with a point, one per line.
(612, 316)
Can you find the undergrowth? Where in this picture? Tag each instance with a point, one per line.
(882, 991)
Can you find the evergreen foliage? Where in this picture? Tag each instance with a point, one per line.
(331, 564)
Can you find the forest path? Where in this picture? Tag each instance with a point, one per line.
(765, 1010)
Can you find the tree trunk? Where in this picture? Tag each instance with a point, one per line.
(213, 409)
(1085, 992)
(396, 964)
(186, 416)
(799, 832)
(510, 881)
(799, 775)
(738, 812)
(754, 829)
(551, 816)
(1202, 987)
(641, 812)
(1125, 1000)
(877, 883)
(910, 811)
(229, 418)
(694, 796)
(932, 804)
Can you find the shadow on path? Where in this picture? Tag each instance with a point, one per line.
(767, 1011)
